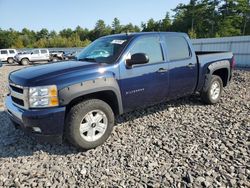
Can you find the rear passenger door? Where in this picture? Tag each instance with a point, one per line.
(44, 55)
(182, 66)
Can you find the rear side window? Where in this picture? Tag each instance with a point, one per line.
(11, 51)
(44, 51)
(4, 52)
(178, 48)
(150, 46)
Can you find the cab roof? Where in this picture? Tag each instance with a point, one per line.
(148, 33)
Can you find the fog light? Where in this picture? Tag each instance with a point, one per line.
(37, 129)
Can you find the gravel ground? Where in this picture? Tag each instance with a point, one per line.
(182, 143)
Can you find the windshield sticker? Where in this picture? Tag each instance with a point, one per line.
(118, 41)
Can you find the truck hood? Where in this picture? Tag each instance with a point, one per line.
(61, 74)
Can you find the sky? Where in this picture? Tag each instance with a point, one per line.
(60, 14)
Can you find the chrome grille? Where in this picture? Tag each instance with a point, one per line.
(16, 89)
(19, 95)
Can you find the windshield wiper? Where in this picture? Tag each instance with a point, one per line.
(87, 59)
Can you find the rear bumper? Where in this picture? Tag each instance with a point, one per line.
(44, 124)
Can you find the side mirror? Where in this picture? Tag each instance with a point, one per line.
(31, 53)
(139, 58)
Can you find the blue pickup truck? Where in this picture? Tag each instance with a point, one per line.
(115, 74)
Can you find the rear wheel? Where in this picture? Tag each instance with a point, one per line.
(25, 61)
(89, 123)
(213, 94)
(10, 60)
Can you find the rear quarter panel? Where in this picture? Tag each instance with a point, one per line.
(220, 59)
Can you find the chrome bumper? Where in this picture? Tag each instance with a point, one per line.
(14, 112)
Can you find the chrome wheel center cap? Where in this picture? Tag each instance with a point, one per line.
(93, 125)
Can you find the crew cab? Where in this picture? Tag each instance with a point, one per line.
(79, 99)
(33, 56)
(7, 55)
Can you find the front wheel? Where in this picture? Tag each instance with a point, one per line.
(89, 123)
(213, 94)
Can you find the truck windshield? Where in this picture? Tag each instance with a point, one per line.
(104, 50)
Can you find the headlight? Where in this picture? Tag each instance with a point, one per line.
(44, 96)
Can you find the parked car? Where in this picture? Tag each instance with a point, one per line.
(33, 56)
(7, 55)
(79, 99)
(57, 55)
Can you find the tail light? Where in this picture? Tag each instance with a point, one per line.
(233, 63)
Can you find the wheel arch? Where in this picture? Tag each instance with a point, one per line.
(10, 58)
(105, 89)
(107, 96)
(219, 68)
(25, 58)
(223, 74)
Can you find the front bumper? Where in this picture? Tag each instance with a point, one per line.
(50, 121)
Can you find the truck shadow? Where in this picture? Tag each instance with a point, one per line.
(193, 100)
(14, 143)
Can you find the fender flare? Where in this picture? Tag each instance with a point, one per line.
(69, 93)
(225, 64)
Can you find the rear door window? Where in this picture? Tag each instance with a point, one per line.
(177, 48)
(11, 51)
(44, 51)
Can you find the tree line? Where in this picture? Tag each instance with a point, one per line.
(198, 18)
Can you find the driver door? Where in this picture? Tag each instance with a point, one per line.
(144, 84)
(35, 55)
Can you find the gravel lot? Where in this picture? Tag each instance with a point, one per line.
(182, 143)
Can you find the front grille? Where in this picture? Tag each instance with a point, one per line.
(16, 89)
(19, 95)
(17, 101)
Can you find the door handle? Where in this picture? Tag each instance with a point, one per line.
(191, 65)
(162, 70)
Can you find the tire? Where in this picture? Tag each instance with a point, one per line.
(213, 94)
(79, 117)
(10, 60)
(25, 61)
